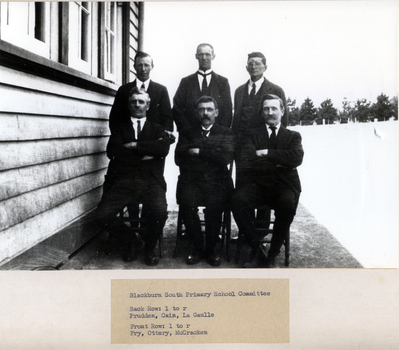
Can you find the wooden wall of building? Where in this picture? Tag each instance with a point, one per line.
(54, 130)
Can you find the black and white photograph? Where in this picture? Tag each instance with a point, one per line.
(198, 138)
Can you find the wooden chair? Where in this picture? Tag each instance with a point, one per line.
(225, 232)
(136, 224)
(264, 229)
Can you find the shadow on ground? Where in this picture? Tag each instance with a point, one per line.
(312, 246)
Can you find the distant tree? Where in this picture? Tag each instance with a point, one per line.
(394, 104)
(347, 113)
(307, 113)
(293, 112)
(362, 110)
(382, 109)
(327, 112)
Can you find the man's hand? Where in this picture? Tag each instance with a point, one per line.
(193, 151)
(262, 152)
(171, 137)
(130, 145)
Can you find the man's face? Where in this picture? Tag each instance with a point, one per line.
(272, 112)
(143, 67)
(138, 105)
(207, 113)
(256, 68)
(204, 56)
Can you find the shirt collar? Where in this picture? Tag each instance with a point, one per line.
(209, 71)
(139, 83)
(270, 130)
(203, 128)
(142, 121)
(258, 83)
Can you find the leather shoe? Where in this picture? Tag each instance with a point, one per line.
(213, 258)
(253, 260)
(270, 261)
(151, 258)
(130, 254)
(193, 258)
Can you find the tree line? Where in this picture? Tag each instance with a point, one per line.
(360, 111)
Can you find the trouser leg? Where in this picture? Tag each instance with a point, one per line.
(193, 226)
(190, 196)
(243, 204)
(155, 213)
(285, 208)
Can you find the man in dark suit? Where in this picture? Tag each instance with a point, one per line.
(160, 111)
(273, 153)
(248, 106)
(204, 82)
(248, 113)
(248, 97)
(137, 147)
(203, 153)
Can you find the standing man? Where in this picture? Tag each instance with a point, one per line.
(248, 106)
(137, 147)
(273, 153)
(203, 154)
(248, 97)
(204, 82)
(160, 111)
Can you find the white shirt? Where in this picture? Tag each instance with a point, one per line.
(134, 122)
(209, 129)
(201, 78)
(269, 131)
(258, 84)
(139, 83)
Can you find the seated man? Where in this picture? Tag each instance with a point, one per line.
(137, 148)
(203, 154)
(273, 153)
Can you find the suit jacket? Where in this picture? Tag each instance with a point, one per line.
(189, 92)
(127, 162)
(283, 160)
(160, 111)
(266, 88)
(211, 163)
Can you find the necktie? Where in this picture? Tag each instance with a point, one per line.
(204, 86)
(205, 134)
(138, 129)
(253, 91)
(142, 87)
(273, 137)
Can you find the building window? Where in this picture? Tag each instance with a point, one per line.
(110, 37)
(80, 36)
(86, 36)
(27, 25)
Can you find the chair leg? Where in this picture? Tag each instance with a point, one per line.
(239, 247)
(108, 244)
(287, 249)
(160, 245)
(227, 223)
(178, 234)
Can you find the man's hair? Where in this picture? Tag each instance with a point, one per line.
(205, 44)
(204, 99)
(136, 91)
(142, 54)
(273, 97)
(257, 54)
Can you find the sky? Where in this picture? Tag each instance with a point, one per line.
(315, 49)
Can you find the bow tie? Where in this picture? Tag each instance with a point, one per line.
(204, 75)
